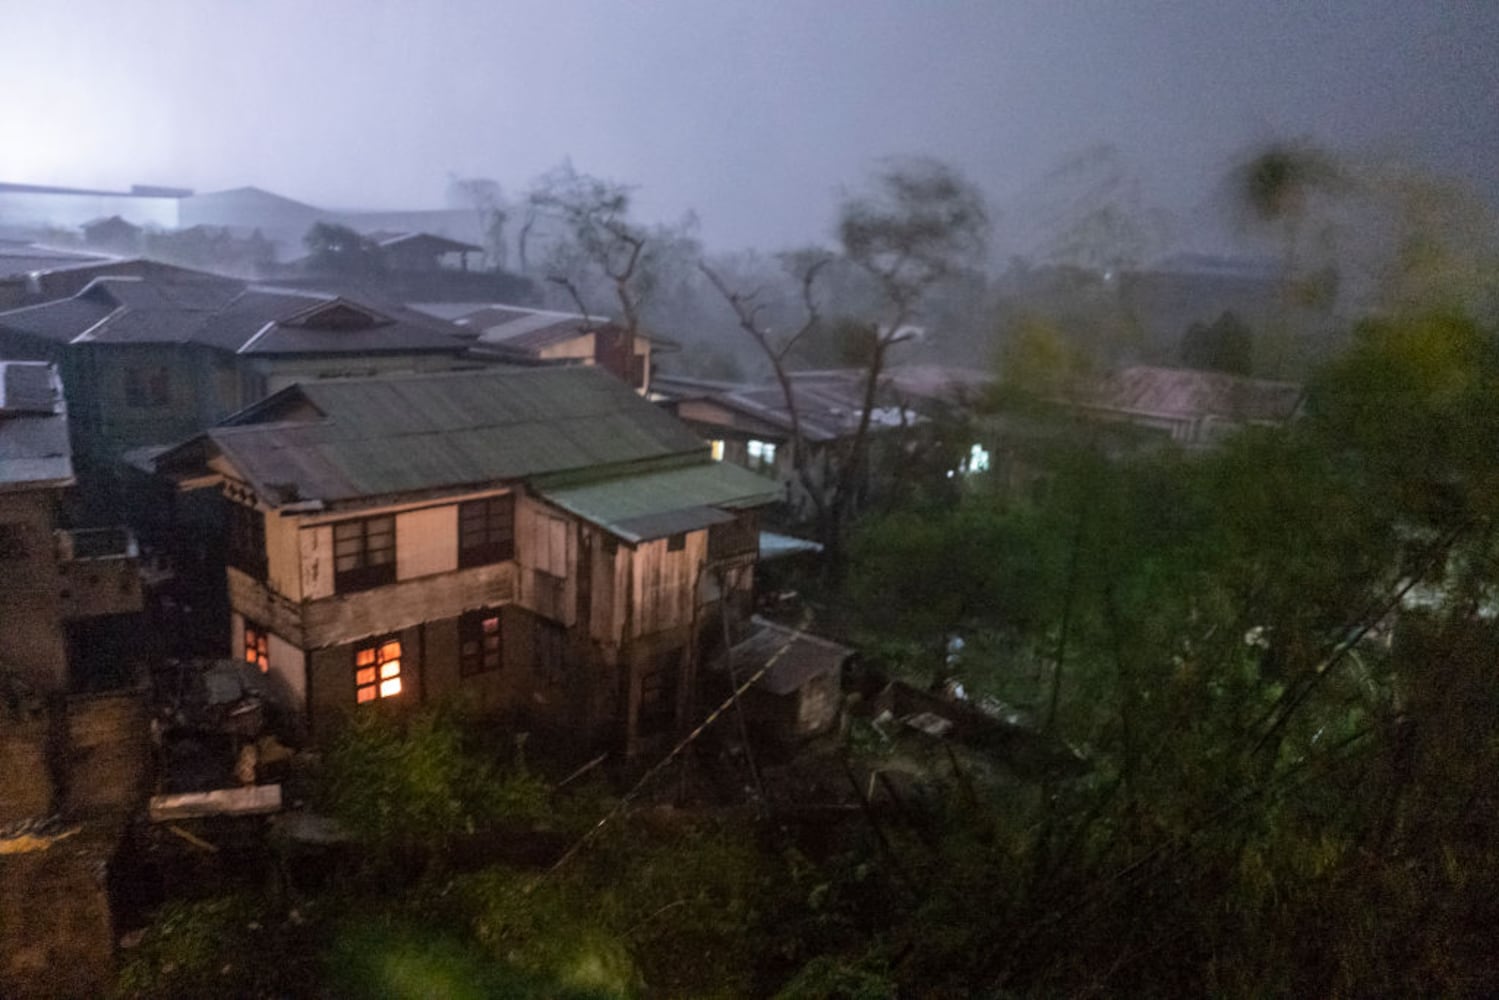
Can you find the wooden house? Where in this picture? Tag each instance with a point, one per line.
(750, 425)
(540, 541)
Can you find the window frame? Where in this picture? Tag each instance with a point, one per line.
(379, 678)
(761, 455)
(245, 538)
(472, 627)
(495, 521)
(366, 574)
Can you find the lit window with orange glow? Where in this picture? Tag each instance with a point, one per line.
(717, 444)
(257, 647)
(377, 671)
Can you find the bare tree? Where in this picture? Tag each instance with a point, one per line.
(805, 265)
(919, 225)
(594, 214)
(601, 248)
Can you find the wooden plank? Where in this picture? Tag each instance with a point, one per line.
(254, 800)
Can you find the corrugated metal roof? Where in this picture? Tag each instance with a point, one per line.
(801, 656)
(656, 504)
(408, 433)
(1184, 393)
(428, 242)
(20, 258)
(828, 404)
(34, 449)
(225, 313)
(517, 326)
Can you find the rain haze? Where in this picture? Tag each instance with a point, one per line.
(796, 499)
(753, 115)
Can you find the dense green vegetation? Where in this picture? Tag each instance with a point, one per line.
(1277, 659)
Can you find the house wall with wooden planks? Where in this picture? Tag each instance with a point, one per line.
(665, 581)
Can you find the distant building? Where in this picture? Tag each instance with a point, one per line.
(539, 540)
(517, 333)
(113, 234)
(1193, 408)
(41, 206)
(151, 360)
(749, 424)
(423, 251)
(24, 264)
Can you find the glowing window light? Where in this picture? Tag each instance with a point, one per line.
(377, 671)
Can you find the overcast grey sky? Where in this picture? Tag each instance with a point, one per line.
(752, 113)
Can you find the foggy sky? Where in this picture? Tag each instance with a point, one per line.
(752, 113)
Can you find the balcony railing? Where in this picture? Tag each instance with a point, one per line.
(96, 543)
(100, 572)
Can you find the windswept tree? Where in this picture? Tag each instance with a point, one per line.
(919, 224)
(339, 250)
(1275, 189)
(1097, 217)
(600, 247)
(486, 199)
(1225, 345)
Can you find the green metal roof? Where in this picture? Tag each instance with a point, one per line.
(373, 437)
(655, 504)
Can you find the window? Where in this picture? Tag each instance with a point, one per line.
(486, 531)
(677, 542)
(658, 694)
(549, 651)
(257, 646)
(377, 670)
(717, 446)
(478, 642)
(762, 455)
(145, 387)
(364, 553)
(246, 539)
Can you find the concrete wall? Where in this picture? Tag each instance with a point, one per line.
(108, 753)
(56, 935)
(25, 778)
(32, 640)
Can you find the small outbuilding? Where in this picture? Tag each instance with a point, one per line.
(800, 695)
